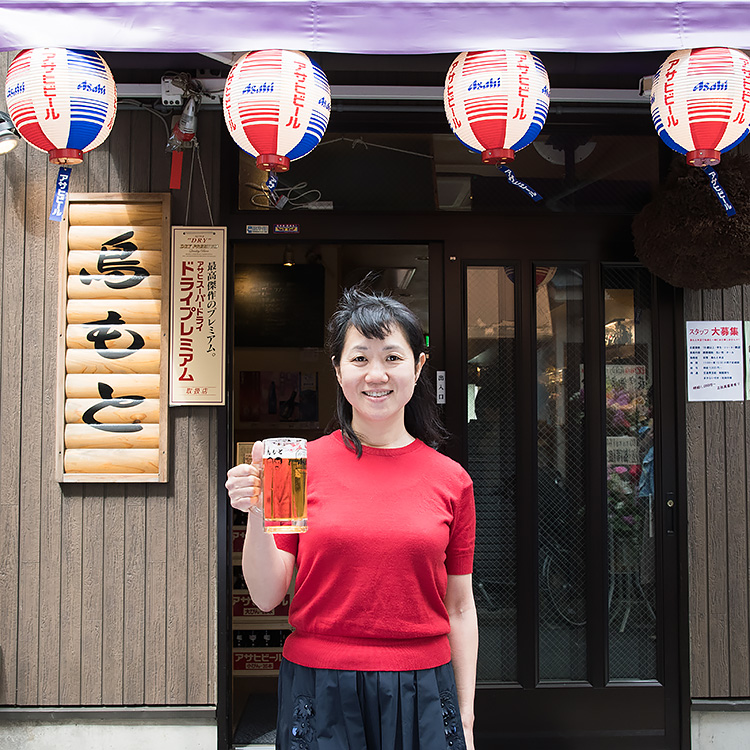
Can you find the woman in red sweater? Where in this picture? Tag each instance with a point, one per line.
(384, 649)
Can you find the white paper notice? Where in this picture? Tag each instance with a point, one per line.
(715, 355)
(197, 359)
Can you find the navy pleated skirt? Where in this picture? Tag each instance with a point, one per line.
(334, 709)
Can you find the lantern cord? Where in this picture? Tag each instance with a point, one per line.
(205, 189)
(190, 183)
(196, 151)
(296, 196)
(362, 142)
(141, 105)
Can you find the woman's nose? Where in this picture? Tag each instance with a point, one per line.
(376, 372)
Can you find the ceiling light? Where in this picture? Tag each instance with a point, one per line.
(9, 137)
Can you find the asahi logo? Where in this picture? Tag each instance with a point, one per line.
(19, 88)
(262, 88)
(715, 86)
(91, 88)
(490, 83)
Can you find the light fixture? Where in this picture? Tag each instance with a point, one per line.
(9, 137)
(288, 256)
(183, 133)
(182, 138)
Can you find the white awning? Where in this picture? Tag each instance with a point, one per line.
(374, 26)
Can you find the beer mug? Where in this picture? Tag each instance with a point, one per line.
(285, 485)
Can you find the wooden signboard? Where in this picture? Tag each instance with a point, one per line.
(113, 338)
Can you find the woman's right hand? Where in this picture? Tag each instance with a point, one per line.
(244, 483)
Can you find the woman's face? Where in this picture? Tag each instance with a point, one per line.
(377, 377)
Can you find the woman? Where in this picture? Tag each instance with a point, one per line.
(383, 609)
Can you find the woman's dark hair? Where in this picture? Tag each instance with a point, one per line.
(375, 315)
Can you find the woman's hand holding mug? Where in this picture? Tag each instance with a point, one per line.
(244, 483)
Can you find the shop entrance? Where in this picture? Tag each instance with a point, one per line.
(559, 358)
(566, 411)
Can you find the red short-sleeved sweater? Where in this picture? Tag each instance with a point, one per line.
(385, 530)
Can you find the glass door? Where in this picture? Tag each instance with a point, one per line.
(575, 570)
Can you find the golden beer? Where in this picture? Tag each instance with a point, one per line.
(285, 485)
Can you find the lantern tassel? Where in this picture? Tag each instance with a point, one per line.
(62, 186)
(513, 180)
(719, 190)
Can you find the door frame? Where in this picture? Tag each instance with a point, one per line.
(578, 240)
(448, 235)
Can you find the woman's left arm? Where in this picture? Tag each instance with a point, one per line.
(464, 642)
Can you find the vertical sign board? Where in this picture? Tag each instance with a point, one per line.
(197, 361)
(112, 355)
(715, 360)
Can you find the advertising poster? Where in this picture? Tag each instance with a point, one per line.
(197, 359)
(715, 360)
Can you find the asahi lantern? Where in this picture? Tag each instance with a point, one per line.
(700, 102)
(61, 101)
(276, 106)
(496, 101)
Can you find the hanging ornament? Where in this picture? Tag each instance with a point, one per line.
(700, 105)
(699, 102)
(63, 102)
(496, 103)
(276, 106)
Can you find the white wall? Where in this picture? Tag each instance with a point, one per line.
(720, 730)
(100, 735)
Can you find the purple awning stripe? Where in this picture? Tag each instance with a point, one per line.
(374, 26)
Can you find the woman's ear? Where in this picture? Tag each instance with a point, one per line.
(420, 364)
(337, 370)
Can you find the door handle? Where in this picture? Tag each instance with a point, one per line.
(669, 514)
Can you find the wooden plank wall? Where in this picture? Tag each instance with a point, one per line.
(107, 591)
(718, 460)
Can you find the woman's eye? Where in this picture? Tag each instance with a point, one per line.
(393, 358)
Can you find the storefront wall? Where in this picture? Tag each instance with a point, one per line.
(718, 497)
(109, 594)
(108, 591)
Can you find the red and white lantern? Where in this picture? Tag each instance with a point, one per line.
(61, 101)
(496, 101)
(700, 102)
(276, 106)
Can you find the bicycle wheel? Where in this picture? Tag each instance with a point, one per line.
(563, 583)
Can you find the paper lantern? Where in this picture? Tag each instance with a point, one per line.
(699, 102)
(496, 101)
(62, 101)
(276, 106)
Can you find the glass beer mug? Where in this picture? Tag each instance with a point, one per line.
(285, 485)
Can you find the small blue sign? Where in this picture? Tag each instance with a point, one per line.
(713, 178)
(61, 194)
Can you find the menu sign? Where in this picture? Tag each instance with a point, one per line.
(112, 415)
(715, 360)
(197, 367)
